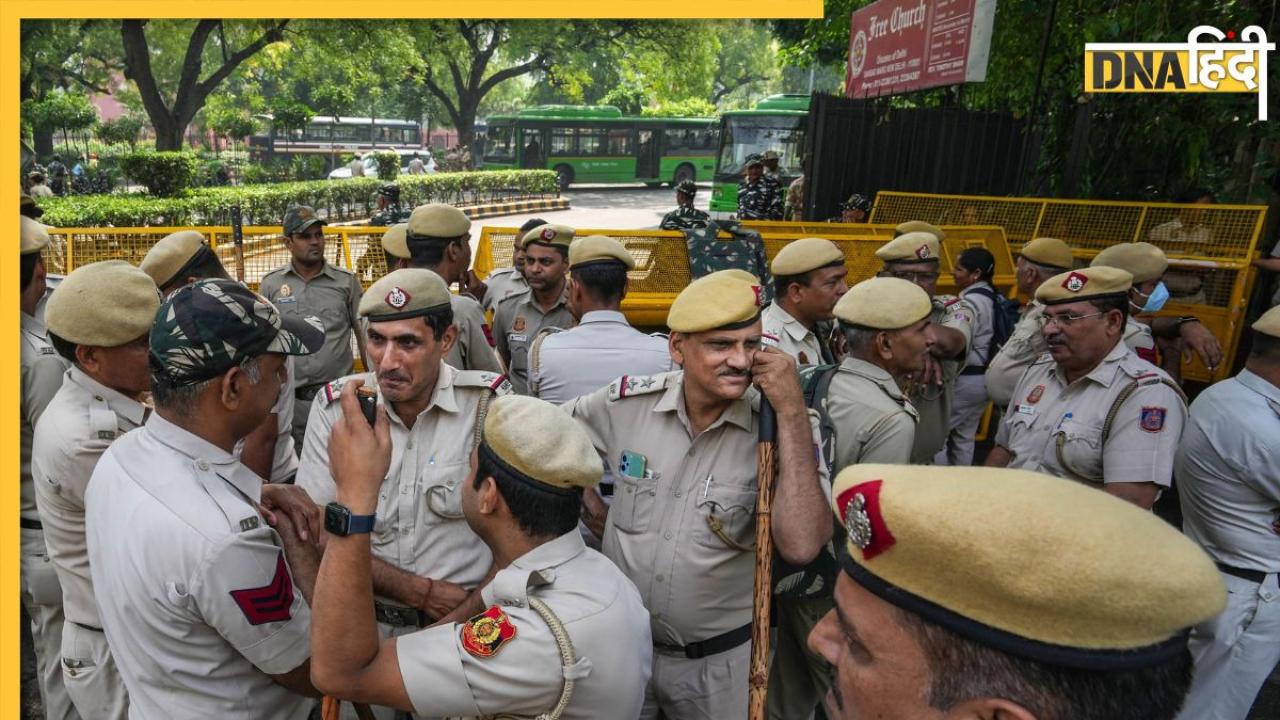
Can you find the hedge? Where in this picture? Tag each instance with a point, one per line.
(266, 204)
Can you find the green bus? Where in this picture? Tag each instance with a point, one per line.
(598, 144)
(777, 123)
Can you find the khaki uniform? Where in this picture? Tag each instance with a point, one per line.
(598, 608)
(474, 348)
(502, 283)
(601, 348)
(874, 423)
(516, 323)
(80, 423)
(198, 628)
(1056, 428)
(683, 531)
(933, 402)
(42, 373)
(793, 338)
(334, 297)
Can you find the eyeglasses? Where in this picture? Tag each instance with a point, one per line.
(1065, 320)
(912, 276)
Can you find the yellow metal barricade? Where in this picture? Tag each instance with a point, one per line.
(1209, 246)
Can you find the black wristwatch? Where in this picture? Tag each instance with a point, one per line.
(339, 521)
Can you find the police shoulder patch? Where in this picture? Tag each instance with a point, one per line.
(633, 385)
(1152, 418)
(484, 635)
(495, 382)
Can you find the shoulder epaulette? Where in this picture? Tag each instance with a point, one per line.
(514, 296)
(496, 382)
(633, 385)
(946, 301)
(332, 390)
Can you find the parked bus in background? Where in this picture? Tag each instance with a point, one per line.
(598, 144)
(332, 138)
(777, 123)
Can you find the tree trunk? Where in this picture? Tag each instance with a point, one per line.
(43, 138)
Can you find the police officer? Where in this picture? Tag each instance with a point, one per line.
(310, 286)
(1228, 484)
(854, 210)
(520, 317)
(503, 282)
(42, 370)
(771, 158)
(886, 325)
(425, 556)
(759, 196)
(685, 216)
(913, 636)
(808, 279)
(682, 526)
(1040, 259)
(389, 211)
(204, 605)
(559, 633)
(1091, 410)
(438, 238)
(914, 256)
(98, 321)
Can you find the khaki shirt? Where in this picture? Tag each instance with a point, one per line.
(334, 297)
(80, 423)
(502, 283)
(517, 322)
(419, 527)
(933, 402)
(600, 349)
(873, 420)
(695, 581)
(42, 372)
(199, 626)
(474, 348)
(791, 337)
(601, 613)
(1056, 428)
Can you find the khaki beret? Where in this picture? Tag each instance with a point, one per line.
(35, 236)
(170, 255)
(737, 273)
(714, 301)
(915, 246)
(1049, 252)
(1083, 284)
(1269, 323)
(599, 248)
(1142, 260)
(396, 241)
(437, 220)
(911, 226)
(884, 303)
(541, 443)
(800, 256)
(561, 235)
(964, 547)
(404, 293)
(103, 304)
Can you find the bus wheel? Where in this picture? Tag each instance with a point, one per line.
(564, 176)
(684, 172)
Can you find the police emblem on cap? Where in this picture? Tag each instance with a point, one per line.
(857, 523)
(397, 298)
(922, 252)
(863, 520)
(547, 234)
(1075, 282)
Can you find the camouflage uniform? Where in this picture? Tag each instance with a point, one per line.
(685, 217)
(390, 215)
(760, 200)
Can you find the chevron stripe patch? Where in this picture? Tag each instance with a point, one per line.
(271, 602)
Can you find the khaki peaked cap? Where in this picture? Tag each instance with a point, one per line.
(103, 304)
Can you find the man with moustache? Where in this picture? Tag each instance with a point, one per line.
(520, 317)
(509, 280)
(808, 279)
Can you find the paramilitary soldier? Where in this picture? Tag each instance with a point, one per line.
(98, 320)
(914, 256)
(685, 216)
(759, 195)
(560, 632)
(930, 622)
(808, 280)
(682, 524)
(519, 317)
(886, 326)
(390, 211)
(425, 558)
(1091, 410)
(438, 238)
(42, 370)
(214, 622)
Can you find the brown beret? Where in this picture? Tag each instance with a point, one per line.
(911, 247)
(404, 293)
(437, 220)
(714, 301)
(800, 256)
(35, 236)
(561, 235)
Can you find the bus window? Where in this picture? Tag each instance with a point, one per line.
(499, 147)
(749, 134)
(591, 141)
(561, 141)
(619, 141)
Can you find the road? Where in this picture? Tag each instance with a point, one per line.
(604, 206)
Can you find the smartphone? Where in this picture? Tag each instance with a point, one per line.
(368, 398)
(632, 464)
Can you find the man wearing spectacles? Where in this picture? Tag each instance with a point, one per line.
(1091, 409)
(913, 255)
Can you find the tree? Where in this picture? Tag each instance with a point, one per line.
(171, 109)
(63, 55)
(124, 129)
(62, 110)
(228, 118)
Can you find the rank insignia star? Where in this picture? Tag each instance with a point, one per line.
(485, 634)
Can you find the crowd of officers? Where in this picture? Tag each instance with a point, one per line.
(220, 520)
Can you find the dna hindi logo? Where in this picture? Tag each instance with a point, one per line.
(1221, 64)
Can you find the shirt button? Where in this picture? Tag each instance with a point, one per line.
(660, 578)
(678, 493)
(409, 445)
(202, 465)
(667, 535)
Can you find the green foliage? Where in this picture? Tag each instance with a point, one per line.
(689, 107)
(60, 111)
(164, 173)
(288, 114)
(388, 164)
(228, 118)
(122, 130)
(266, 204)
(630, 98)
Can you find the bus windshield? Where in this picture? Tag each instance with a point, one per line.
(747, 134)
(499, 146)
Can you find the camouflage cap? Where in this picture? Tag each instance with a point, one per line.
(688, 187)
(753, 159)
(390, 190)
(298, 218)
(857, 201)
(211, 326)
(771, 155)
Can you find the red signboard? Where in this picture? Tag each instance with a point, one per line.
(898, 46)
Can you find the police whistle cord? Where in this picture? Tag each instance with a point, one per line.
(237, 235)
(766, 469)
